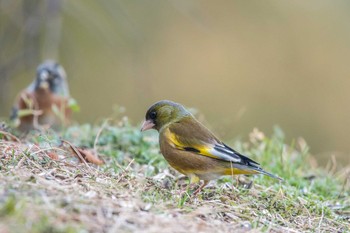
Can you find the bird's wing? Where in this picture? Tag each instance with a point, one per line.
(190, 135)
(16, 107)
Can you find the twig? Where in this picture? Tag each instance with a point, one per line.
(232, 176)
(44, 152)
(99, 133)
(19, 164)
(40, 168)
(346, 181)
(77, 153)
(334, 165)
(320, 223)
(10, 135)
(125, 170)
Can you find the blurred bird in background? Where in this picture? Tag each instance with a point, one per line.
(45, 102)
(192, 149)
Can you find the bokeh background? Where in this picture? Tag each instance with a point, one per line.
(242, 64)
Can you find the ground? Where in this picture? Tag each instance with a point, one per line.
(50, 182)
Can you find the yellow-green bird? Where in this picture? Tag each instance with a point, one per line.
(192, 149)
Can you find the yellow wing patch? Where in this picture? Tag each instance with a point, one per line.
(172, 138)
(200, 149)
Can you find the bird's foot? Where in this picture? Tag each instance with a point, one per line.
(200, 188)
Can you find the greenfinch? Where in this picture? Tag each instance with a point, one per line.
(192, 149)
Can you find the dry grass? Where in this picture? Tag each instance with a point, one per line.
(135, 191)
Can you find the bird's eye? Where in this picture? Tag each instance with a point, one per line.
(55, 77)
(153, 115)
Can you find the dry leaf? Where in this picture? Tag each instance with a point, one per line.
(90, 157)
(53, 155)
(84, 155)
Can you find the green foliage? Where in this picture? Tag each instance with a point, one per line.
(73, 105)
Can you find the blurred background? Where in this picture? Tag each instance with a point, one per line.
(242, 64)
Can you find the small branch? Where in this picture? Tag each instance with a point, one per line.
(10, 135)
(99, 133)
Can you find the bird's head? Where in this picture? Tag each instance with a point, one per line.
(163, 113)
(50, 76)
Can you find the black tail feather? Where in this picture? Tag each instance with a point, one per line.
(261, 171)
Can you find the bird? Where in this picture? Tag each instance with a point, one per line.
(192, 149)
(45, 102)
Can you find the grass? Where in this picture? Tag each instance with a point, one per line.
(135, 190)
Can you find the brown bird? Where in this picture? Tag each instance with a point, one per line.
(192, 149)
(45, 102)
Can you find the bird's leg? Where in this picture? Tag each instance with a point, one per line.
(205, 183)
(193, 182)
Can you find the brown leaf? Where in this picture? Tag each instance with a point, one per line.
(75, 150)
(53, 155)
(84, 155)
(89, 156)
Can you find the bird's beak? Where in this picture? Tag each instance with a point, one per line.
(147, 124)
(44, 85)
